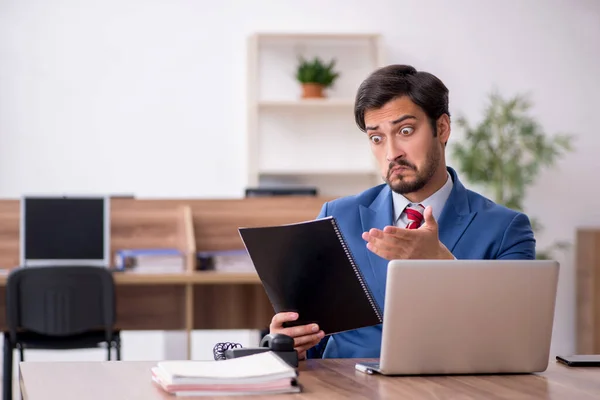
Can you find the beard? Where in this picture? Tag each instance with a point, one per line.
(422, 175)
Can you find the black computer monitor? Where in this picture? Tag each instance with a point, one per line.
(65, 230)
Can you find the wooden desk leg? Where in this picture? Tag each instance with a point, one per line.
(189, 317)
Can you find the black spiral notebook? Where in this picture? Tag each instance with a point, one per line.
(308, 268)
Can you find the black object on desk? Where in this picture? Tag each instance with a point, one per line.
(308, 268)
(281, 191)
(282, 345)
(580, 360)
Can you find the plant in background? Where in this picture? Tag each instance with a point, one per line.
(506, 152)
(315, 75)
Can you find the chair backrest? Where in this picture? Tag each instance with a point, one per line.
(60, 300)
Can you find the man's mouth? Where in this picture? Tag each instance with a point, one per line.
(399, 169)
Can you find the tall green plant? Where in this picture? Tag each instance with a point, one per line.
(506, 151)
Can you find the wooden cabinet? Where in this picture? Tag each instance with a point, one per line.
(587, 276)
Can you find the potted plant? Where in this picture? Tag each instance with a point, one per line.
(315, 76)
(506, 151)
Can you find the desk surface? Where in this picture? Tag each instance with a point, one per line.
(177, 278)
(196, 278)
(330, 379)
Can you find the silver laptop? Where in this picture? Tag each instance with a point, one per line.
(467, 317)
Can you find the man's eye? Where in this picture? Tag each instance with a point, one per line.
(376, 139)
(407, 130)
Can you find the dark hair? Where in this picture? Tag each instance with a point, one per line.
(393, 81)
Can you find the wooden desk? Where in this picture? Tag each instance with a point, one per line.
(189, 300)
(189, 225)
(185, 301)
(323, 379)
(192, 299)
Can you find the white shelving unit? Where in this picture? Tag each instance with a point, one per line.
(308, 142)
(306, 103)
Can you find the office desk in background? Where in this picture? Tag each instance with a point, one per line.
(322, 379)
(184, 301)
(189, 300)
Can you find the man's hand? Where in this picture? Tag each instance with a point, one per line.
(305, 336)
(393, 243)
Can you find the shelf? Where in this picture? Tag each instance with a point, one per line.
(317, 35)
(286, 133)
(318, 172)
(307, 103)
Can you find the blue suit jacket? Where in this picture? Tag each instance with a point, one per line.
(470, 226)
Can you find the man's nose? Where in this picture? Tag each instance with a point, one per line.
(394, 151)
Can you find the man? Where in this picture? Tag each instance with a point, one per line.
(422, 212)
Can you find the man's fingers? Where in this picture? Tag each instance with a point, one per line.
(376, 233)
(379, 247)
(305, 348)
(280, 318)
(308, 339)
(400, 233)
(302, 330)
(389, 233)
(393, 230)
(293, 331)
(385, 254)
(387, 243)
(428, 216)
(385, 248)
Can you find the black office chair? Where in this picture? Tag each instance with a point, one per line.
(62, 307)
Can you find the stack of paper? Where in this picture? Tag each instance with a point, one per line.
(262, 373)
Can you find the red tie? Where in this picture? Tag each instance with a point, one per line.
(414, 212)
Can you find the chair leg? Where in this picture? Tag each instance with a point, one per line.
(21, 352)
(118, 346)
(108, 350)
(7, 371)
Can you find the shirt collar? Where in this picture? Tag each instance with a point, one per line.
(436, 200)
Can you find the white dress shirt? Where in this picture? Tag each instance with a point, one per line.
(436, 201)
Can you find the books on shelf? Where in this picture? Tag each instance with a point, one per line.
(262, 373)
(150, 260)
(225, 261)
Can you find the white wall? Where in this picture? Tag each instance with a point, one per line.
(147, 97)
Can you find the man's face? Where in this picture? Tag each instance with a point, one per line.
(402, 141)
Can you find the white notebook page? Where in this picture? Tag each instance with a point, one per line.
(259, 367)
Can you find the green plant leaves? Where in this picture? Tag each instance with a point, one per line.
(316, 71)
(506, 151)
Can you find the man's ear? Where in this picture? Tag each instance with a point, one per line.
(443, 128)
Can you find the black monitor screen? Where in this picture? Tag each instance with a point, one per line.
(64, 228)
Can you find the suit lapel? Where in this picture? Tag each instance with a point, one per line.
(452, 227)
(378, 215)
(456, 215)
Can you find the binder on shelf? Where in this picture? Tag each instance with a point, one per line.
(308, 268)
(150, 260)
(236, 260)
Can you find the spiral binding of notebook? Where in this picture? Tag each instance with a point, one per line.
(357, 271)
